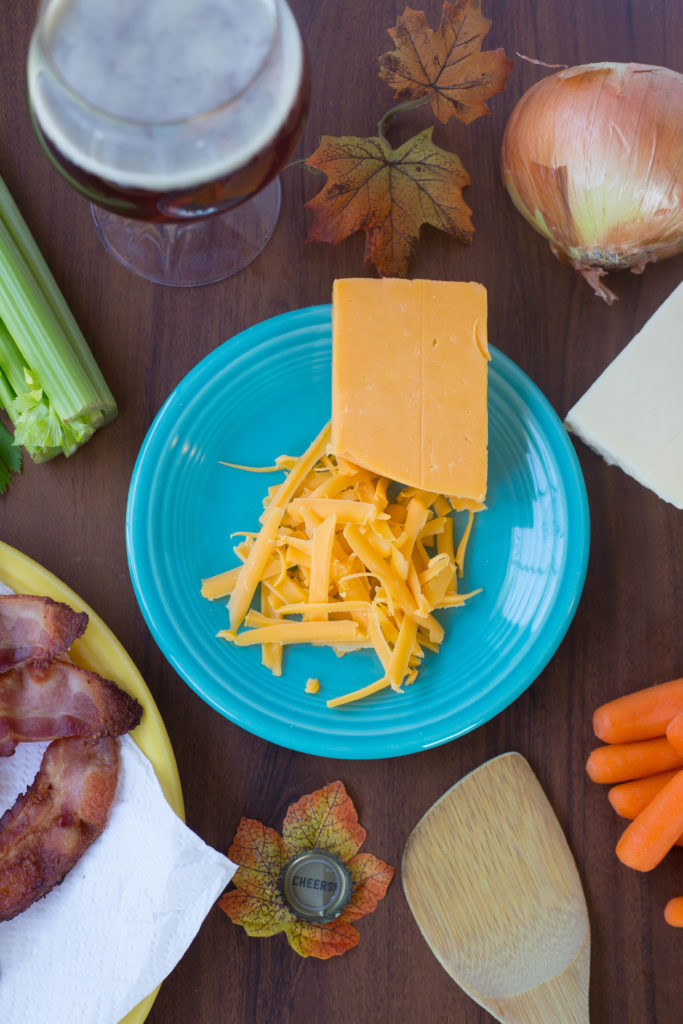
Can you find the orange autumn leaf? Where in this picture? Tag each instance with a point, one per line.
(325, 819)
(448, 65)
(256, 903)
(371, 878)
(389, 194)
(322, 940)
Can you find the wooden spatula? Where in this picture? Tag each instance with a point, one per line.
(493, 885)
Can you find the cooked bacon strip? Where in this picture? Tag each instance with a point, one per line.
(54, 822)
(61, 700)
(36, 629)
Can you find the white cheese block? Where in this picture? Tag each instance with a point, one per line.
(633, 414)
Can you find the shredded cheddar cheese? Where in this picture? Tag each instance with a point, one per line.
(346, 559)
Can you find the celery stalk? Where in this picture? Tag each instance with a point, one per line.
(39, 336)
(11, 216)
(10, 454)
(50, 384)
(12, 367)
(36, 423)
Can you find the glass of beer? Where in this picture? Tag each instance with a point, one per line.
(174, 117)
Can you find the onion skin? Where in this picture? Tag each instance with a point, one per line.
(592, 157)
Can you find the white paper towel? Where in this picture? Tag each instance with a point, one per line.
(124, 915)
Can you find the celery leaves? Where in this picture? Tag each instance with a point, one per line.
(10, 457)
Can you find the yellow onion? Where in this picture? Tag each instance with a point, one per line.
(592, 156)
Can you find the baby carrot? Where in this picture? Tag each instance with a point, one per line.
(629, 798)
(618, 762)
(650, 836)
(674, 732)
(640, 715)
(673, 912)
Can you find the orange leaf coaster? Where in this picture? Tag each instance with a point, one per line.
(325, 822)
(447, 66)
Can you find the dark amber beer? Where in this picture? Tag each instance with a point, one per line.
(167, 110)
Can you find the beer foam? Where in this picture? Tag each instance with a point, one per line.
(153, 77)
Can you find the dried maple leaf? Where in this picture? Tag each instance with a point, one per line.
(322, 940)
(324, 820)
(370, 880)
(447, 65)
(256, 903)
(388, 193)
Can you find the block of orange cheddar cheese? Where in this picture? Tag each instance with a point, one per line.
(409, 381)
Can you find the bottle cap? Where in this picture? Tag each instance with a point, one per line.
(316, 885)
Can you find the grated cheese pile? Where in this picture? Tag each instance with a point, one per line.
(342, 560)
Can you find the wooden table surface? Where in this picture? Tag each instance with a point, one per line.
(69, 516)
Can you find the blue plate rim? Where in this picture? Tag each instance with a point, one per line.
(564, 606)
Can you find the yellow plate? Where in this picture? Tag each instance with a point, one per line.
(100, 651)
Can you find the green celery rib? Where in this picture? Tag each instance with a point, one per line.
(11, 365)
(10, 455)
(37, 425)
(6, 393)
(40, 337)
(34, 259)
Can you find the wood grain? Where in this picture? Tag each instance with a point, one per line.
(69, 515)
(493, 886)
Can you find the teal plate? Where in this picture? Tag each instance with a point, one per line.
(266, 392)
